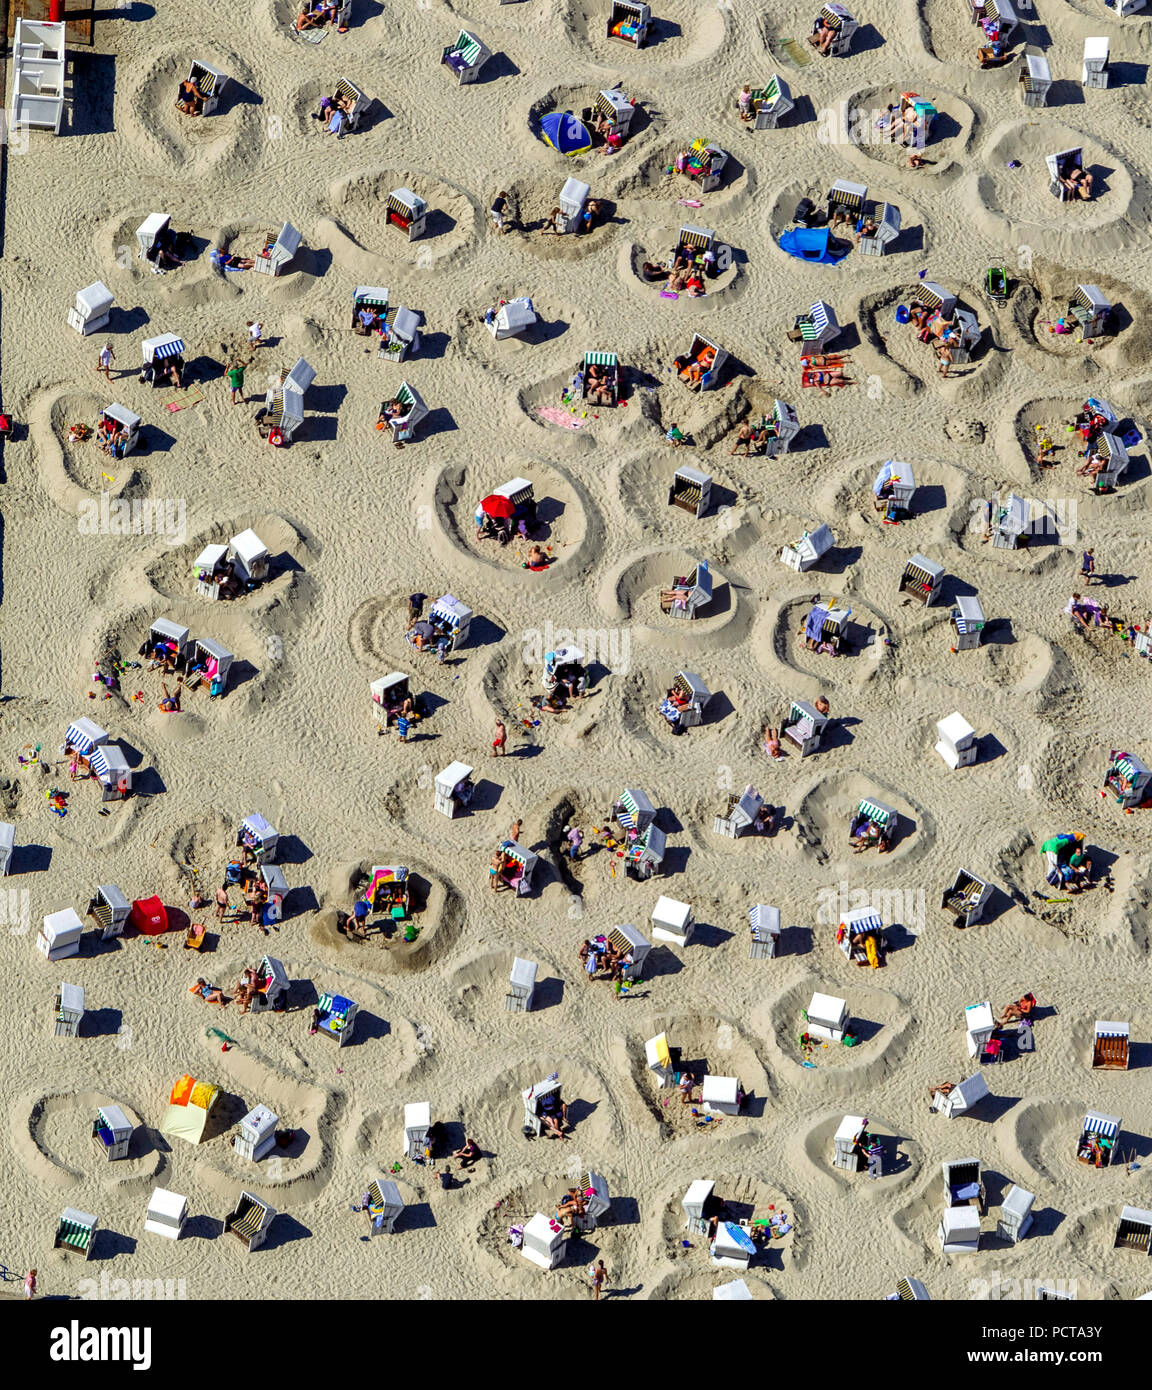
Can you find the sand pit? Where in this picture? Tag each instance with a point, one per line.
(917, 362)
(206, 140)
(360, 206)
(704, 1047)
(744, 1198)
(434, 918)
(903, 1159)
(1016, 202)
(680, 34)
(880, 1022)
(565, 525)
(657, 178)
(946, 144)
(658, 247)
(635, 596)
(826, 810)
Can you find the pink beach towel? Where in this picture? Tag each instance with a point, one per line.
(557, 415)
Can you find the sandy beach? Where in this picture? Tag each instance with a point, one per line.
(353, 526)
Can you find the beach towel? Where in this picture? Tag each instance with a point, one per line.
(966, 1193)
(190, 395)
(553, 414)
(815, 623)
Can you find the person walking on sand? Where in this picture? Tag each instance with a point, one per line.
(599, 1274)
(222, 903)
(255, 334)
(30, 1285)
(514, 833)
(500, 740)
(105, 360)
(236, 381)
(1088, 567)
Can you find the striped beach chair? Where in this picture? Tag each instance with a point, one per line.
(404, 426)
(771, 103)
(634, 811)
(212, 82)
(465, 57)
(818, 327)
(1105, 1131)
(358, 101)
(838, 18)
(250, 1222)
(1035, 79)
(406, 211)
(629, 22)
(75, 1232)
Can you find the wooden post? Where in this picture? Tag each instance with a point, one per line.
(56, 10)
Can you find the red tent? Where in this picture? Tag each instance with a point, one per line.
(150, 916)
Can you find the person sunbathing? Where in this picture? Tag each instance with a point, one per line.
(170, 704)
(772, 742)
(823, 35)
(654, 273)
(212, 994)
(570, 1207)
(866, 227)
(190, 99)
(918, 315)
(229, 261)
(824, 380)
(536, 560)
(821, 359)
(1015, 1013)
(941, 1089)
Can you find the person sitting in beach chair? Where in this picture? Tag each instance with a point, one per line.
(691, 372)
(823, 34)
(864, 832)
(600, 387)
(1077, 181)
(190, 99)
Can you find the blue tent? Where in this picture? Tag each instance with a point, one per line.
(811, 244)
(565, 133)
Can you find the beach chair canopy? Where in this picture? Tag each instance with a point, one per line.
(122, 415)
(84, 735)
(300, 377)
(287, 243)
(370, 297)
(812, 244)
(94, 299)
(166, 345)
